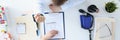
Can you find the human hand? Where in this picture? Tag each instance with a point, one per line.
(49, 35)
(39, 18)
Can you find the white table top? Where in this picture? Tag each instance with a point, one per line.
(72, 20)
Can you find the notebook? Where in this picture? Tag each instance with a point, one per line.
(55, 21)
(104, 29)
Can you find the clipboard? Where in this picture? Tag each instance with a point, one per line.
(55, 21)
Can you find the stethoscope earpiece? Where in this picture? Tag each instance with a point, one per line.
(82, 11)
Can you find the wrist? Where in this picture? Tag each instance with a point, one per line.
(44, 39)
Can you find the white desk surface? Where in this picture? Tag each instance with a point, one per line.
(73, 29)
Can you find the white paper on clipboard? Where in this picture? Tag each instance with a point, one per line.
(55, 21)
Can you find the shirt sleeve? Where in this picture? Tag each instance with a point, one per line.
(71, 3)
(43, 6)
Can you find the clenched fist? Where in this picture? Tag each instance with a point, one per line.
(39, 18)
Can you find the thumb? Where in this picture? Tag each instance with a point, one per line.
(51, 34)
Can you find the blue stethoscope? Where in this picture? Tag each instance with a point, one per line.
(87, 21)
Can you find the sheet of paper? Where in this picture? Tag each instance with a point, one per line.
(104, 29)
(21, 28)
(55, 21)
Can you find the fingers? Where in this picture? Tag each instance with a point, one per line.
(39, 18)
(54, 32)
(51, 34)
(37, 15)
